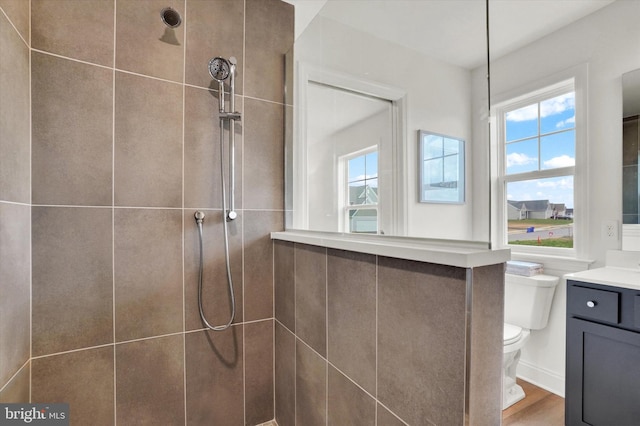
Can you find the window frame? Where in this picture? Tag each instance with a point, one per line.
(460, 154)
(344, 191)
(574, 79)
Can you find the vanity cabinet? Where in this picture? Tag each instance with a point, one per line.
(603, 355)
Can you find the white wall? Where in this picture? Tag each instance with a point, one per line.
(438, 100)
(608, 41)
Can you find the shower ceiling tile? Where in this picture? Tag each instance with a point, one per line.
(214, 28)
(202, 185)
(18, 389)
(82, 379)
(150, 382)
(15, 179)
(269, 36)
(148, 272)
(214, 377)
(79, 29)
(148, 142)
(144, 44)
(72, 278)
(215, 288)
(72, 132)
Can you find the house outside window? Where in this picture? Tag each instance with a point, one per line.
(361, 205)
(537, 146)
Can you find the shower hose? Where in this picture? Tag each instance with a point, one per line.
(199, 220)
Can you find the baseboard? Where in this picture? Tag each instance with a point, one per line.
(542, 378)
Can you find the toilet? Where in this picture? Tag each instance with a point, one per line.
(527, 303)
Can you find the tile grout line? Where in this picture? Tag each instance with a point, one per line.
(113, 212)
(232, 129)
(183, 212)
(30, 214)
(326, 335)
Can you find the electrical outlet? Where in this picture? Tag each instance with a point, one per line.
(610, 230)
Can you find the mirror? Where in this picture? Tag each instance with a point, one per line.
(418, 64)
(630, 158)
(366, 77)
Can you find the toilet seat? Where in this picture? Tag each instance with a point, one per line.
(512, 333)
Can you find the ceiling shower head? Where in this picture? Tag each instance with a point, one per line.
(219, 68)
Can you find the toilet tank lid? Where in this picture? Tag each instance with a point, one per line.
(540, 280)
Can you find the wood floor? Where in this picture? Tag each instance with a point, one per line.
(538, 408)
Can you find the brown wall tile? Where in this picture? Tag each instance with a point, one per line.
(269, 36)
(386, 418)
(311, 387)
(18, 13)
(216, 301)
(148, 272)
(15, 179)
(284, 283)
(144, 44)
(150, 381)
(285, 376)
(15, 182)
(72, 278)
(264, 155)
(148, 142)
(15, 267)
(351, 298)
(215, 29)
(202, 182)
(487, 319)
(311, 291)
(258, 267)
(259, 372)
(421, 339)
(19, 388)
(83, 379)
(79, 29)
(347, 404)
(72, 132)
(214, 377)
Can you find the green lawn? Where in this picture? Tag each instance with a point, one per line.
(564, 242)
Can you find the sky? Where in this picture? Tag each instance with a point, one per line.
(553, 147)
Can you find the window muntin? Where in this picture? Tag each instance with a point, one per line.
(441, 168)
(539, 156)
(362, 191)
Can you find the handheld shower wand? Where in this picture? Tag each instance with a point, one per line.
(221, 69)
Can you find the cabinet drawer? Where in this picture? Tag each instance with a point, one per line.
(599, 305)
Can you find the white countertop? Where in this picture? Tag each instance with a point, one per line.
(622, 270)
(613, 276)
(463, 254)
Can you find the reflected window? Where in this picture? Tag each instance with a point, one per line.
(441, 168)
(362, 191)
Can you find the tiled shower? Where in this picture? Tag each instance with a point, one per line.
(108, 145)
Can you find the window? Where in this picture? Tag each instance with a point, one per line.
(362, 192)
(441, 168)
(537, 167)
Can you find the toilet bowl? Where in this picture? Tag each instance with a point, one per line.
(527, 306)
(514, 340)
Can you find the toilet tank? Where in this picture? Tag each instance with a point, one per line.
(527, 300)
